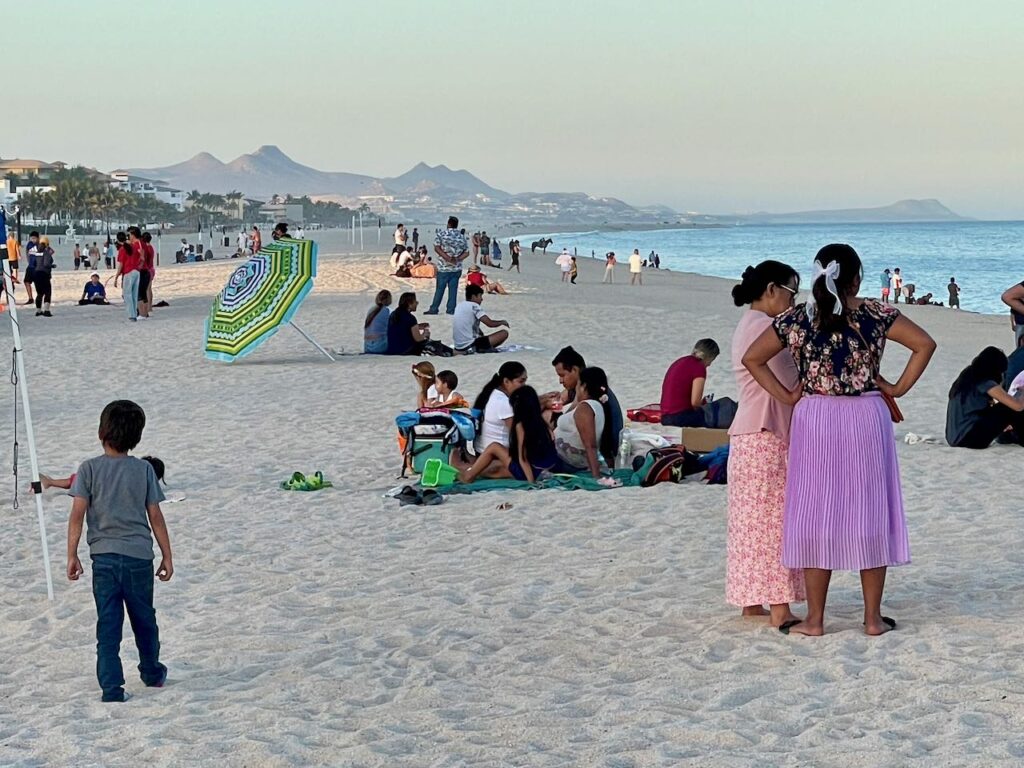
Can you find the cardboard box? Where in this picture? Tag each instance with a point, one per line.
(704, 440)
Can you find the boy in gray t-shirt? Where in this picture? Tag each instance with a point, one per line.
(119, 497)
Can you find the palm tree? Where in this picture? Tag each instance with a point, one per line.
(232, 198)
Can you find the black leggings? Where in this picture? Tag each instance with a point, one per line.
(43, 288)
(991, 424)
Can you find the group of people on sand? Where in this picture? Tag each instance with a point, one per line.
(894, 285)
(524, 434)
(399, 332)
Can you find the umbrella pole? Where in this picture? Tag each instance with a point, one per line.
(26, 408)
(312, 341)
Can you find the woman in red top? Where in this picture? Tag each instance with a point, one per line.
(476, 277)
(149, 261)
(682, 391)
(128, 263)
(142, 254)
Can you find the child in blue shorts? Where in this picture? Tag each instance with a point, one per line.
(119, 497)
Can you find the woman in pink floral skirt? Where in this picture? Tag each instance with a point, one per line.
(759, 444)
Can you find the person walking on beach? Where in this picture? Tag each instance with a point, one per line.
(41, 276)
(573, 271)
(256, 244)
(564, 262)
(13, 253)
(77, 257)
(886, 285)
(128, 264)
(485, 248)
(119, 497)
(476, 246)
(1013, 297)
(897, 285)
(142, 255)
(844, 503)
(954, 294)
(415, 239)
(758, 451)
(452, 249)
(609, 268)
(514, 250)
(31, 253)
(636, 273)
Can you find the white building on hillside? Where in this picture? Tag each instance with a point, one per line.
(139, 185)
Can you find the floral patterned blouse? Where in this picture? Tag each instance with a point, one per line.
(837, 363)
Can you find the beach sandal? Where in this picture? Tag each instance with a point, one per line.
(409, 495)
(890, 623)
(786, 625)
(317, 482)
(297, 482)
(431, 498)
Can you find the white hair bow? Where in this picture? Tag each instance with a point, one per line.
(830, 273)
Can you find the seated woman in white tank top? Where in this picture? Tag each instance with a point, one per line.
(581, 437)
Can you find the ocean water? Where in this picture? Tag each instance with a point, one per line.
(985, 257)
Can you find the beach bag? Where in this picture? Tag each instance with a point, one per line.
(665, 465)
(716, 463)
(437, 349)
(427, 270)
(720, 414)
(434, 435)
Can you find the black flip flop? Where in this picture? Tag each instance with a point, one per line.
(786, 625)
(409, 495)
(430, 497)
(890, 623)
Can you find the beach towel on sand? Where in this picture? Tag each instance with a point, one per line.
(579, 482)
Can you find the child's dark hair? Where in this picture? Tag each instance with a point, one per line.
(755, 281)
(121, 425)
(157, 465)
(989, 365)
(449, 379)
(849, 279)
(147, 238)
(596, 382)
(527, 410)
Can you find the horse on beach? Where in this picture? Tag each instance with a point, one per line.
(543, 244)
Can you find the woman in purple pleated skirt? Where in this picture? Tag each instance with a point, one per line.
(844, 504)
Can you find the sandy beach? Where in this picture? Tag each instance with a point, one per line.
(339, 629)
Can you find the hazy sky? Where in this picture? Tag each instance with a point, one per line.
(714, 106)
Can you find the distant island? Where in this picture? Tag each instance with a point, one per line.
(929, 210)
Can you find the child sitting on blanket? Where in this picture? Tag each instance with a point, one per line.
(445, 383)
(424, 375)
(66, 482)
(531, 450)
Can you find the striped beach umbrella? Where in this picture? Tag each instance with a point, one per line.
(261, 295)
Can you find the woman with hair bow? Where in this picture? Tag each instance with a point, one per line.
(844, 503)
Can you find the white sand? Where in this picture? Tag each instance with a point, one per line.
(336, 628)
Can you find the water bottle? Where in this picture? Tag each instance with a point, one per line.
(625, 451)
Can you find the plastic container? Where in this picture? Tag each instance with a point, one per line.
(437, 473)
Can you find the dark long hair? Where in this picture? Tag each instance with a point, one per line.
(537, 439)
(596, 382)
(510, 370)
(989, 365)
(849, 278)
(755, 281)
(382, 300)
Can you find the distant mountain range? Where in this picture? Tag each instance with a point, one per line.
(429, 193)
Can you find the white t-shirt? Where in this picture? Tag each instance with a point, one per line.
(634, 263)
(466, 324)
(564, 260)
(896, 281)
(494, 429)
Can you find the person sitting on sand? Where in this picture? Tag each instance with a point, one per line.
(469, 315)
(1014, 364)
(568, 365)
(979, 409)
(493, 403)
(682, 390)
(446, 397)
(424, 375)
(406, 336)
(583, 433)
(94, 292)
(476, 277)
(375, 327)
(531, 450)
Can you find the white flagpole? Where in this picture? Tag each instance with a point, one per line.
(360, 230)
(12, 307)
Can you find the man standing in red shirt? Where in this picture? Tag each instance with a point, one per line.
(129, 259)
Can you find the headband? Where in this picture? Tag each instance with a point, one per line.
(830, 273)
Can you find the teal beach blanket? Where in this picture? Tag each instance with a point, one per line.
(580, 482)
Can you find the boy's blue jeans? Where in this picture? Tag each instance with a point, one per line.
(120, 582)
(449, 280)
